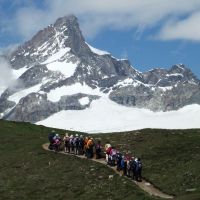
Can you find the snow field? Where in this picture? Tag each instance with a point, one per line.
(103, 116)
(55, 95)
(97, 51)
(18, 95)
(67, 69)
(84, 101)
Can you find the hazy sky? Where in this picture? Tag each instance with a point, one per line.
(150, 33)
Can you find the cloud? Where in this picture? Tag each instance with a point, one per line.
(96, 16)
(29, 20)
(6, 76)
(186, 29)
(121, 14)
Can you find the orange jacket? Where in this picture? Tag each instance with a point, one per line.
(89, 143)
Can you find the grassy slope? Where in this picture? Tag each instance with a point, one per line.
(171, 158)
(29, 172)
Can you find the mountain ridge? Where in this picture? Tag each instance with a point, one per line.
(58, 61)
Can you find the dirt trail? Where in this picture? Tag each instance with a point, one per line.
(144, 185)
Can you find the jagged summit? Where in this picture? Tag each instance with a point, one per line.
(176, 74)
(64, 33)
(66, 21)
(58, 71)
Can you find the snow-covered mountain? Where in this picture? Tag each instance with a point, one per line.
(57, 71)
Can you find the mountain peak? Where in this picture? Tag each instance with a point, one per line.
(66, 20)
(179, 68)
(57, 68)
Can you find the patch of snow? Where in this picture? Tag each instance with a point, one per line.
(55, 94)
(104, 115)
(2, 89)
(6, 111)
(18, 95)
(105, 77)
(132, 82)
(26, 54)
(98, 51)
(57, 55)
(18, 72)
(193, 82)
(175, 74)
(13, 58)
(180, 66)
(84, 101)
(60, 38)
(156, 68)
(120, 59)
(166, 88)
(125, 82)
(42, 48)
(67, 69)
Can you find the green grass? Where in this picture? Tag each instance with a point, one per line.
(171, 158)
(27, 172)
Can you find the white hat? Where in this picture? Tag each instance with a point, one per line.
(76, 135)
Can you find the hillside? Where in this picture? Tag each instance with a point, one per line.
(28, 172)
(171, 158)
(171, 162)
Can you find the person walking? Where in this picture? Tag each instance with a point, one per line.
(66, 143)
(98, 149)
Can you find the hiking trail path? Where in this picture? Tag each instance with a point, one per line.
(144, 185)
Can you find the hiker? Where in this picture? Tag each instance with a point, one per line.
(113, 156)
(128, 156)
(119, 159)
(108, 148)
(107, 145)
(76, 144)
(85, 146)
(130, 167)
(51, 140)
(71, 141)
(81, 145)
(66, 143)
(124, 165)
(56, 142)
(98, 149)
(90, 145)
(138, 170)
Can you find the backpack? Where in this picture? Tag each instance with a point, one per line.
(51, 136)
(81, 142)
(119, 157)
(91, 144)
(66, 140)
(113, 152)
(98, 146)
(139, 165)
(71, 141)
(108, 150)
(76, 141)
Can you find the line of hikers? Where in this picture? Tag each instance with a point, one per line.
(79, 145)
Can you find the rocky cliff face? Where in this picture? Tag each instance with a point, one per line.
(57, 70)
(160, 89)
